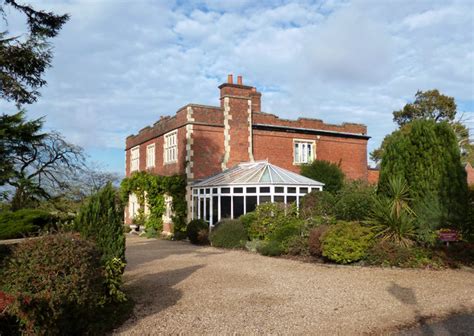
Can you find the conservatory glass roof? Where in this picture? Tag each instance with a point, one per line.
(255, 173)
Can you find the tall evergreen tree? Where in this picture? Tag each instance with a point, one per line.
(427, 156)
(24, 58)
(101, 219)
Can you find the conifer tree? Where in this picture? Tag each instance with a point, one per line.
(101, 219)
(426, 155)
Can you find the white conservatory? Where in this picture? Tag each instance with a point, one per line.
(240, 189)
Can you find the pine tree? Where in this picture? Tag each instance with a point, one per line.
(101, 219)
(426, 155)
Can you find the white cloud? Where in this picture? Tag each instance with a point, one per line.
(120, 65)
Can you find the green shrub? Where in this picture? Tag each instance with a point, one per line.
(326, 172)
(57, 282)
(285, 232)
(346, 242)
(317, 204)
(268, 217)
(248, 219)
(253, 245)
(229, 233)
(428, 219)
(114, 269)
(194, 231)
(270, 248)
(298, 245)
(391, 254)
(354, 201)
(314, 240)
(25, 222)
(101, 220)
(392, 218)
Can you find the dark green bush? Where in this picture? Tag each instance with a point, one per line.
(101, 220)
(194, 231)
(271, 248)
(298, 245)
(285, 232)
(387, 253)
(24, 223)
(346, 242)
(229, 233)
(354, 201)
(268, 217)
(326, 172)
(248, 219)
(314, 240)
(317, 204)
(57, 282)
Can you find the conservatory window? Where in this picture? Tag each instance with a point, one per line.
(303, 151)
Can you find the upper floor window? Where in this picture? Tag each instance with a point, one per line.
(150, 156)
(135, 158)
(171, 147)
(303, 151)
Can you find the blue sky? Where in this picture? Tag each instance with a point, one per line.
(120, 65)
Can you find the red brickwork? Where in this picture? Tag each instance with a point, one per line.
(277, 147)
(373, 175)
(208, 147)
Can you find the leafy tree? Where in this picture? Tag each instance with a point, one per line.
(23, 59)
(44, 169)
(426, 155)
(427, 105)
(431, 105)
(326, 172)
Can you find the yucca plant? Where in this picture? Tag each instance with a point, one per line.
(392, 217)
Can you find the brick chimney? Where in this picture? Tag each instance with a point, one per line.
(238, 102)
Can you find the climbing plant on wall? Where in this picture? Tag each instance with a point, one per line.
(151, 189)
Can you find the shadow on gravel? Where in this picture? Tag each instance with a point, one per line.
(455, 324)
(146, 250)
(153, 293)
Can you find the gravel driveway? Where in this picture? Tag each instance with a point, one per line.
(189, 290)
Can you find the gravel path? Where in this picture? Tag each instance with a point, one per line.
(189, 290)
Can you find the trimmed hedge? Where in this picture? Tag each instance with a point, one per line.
(57, 282)
(229, 233)
(271, 248)
(346, 242)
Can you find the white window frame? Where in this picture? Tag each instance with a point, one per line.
(170, 147)
(135, 159)
(150, 156)
(302, 156)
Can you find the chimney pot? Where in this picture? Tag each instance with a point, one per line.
(239, 80)
(230, 79)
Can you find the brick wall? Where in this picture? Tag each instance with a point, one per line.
(208, 148)
(277, 147)
(373, 176)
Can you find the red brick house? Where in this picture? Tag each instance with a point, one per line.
(200, 141)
